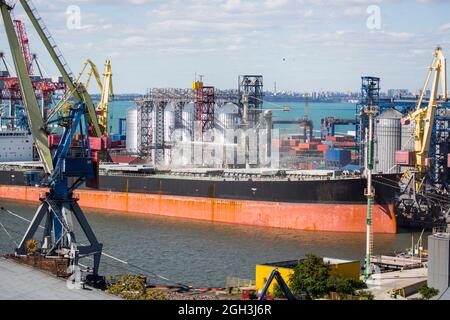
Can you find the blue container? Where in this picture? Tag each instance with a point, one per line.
(339, 157)
(115, 137)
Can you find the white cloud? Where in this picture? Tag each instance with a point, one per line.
(247, 34)
(445, 28)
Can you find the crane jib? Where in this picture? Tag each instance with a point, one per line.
(35, 121)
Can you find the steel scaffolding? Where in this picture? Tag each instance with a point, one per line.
(250, 90)
(204, 107)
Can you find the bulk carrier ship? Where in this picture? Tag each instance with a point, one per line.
(317, 200)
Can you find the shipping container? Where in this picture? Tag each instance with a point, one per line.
(115, 137)
(405, 158)
(95, 144)
(104, 142)
(54, 140)
(323, 147)
(342, 157)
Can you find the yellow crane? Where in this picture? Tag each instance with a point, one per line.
(106, 90)
(107, 93)
(424, 117)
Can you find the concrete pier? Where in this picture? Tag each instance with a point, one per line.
(405, 282)
(20, 282)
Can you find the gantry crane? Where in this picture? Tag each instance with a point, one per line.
(69, 167)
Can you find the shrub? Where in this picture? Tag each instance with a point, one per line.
(134, 288)
(428, 293)
(310, 277)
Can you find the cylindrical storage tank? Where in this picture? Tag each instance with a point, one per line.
(408, 136)
(388, 136)
(227, 116)
(132, 130)
(169, 122)
(188, 116)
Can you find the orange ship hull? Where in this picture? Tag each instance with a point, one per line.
(296, 216)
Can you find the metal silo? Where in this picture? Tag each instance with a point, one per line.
(227, 116)
(388, 136)
(169, 122)
(408, 136)
(188, 116)
(132, 130)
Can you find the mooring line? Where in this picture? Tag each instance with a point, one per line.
(107, 255)
(9, 235)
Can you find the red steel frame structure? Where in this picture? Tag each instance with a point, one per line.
(204, 106)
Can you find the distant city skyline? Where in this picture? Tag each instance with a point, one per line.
(302, 45)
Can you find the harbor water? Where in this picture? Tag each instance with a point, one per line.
(199, 253)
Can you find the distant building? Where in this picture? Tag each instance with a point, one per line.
(396, 93)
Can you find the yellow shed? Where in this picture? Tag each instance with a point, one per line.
(346, 268)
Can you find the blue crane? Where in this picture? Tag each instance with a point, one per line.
(71, 164)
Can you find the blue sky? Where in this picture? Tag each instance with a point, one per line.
(303, 45)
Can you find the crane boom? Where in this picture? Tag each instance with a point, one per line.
(107, 93)
(35, 121)
(93, 72)
(78, 90)
(24, 44)
(106, 89)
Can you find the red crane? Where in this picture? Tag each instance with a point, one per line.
(44, 88)
(24, 44)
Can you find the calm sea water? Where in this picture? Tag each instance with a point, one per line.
(202, 253)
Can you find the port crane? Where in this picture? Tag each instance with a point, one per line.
(43, 87)
(106, 90)
(416, 194)
(424, 117)
(69, 167)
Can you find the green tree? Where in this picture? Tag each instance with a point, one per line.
(427, 293)
(345, 286)
(310, 277)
